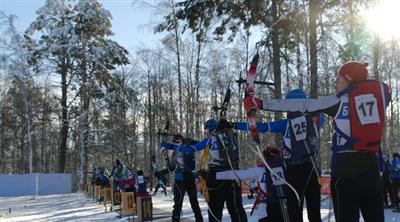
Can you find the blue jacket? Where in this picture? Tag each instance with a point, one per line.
(395, 168)
(294, 151)
(218, 156)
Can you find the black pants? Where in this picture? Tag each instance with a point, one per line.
(180, 187)
(388, 191)
(304, 179)
(162, 186)
(357, 186)
(395, 191)
(274, 213)
(221, 191)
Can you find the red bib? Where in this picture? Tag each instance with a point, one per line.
(367, 114)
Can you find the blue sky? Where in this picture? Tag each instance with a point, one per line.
(132, 24)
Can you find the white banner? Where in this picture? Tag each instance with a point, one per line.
(36, 184)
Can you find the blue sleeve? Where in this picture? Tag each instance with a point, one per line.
(278, 126)
(193, 148)
(244, 126)
(393, 166)
(381, 161)
(166, 145)
(387, 95)
(273, 127)
(322, 120)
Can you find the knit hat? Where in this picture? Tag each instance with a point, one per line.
(354, 71)
(296, 94)
(211, 124)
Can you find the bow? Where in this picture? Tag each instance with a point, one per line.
(222, 113)
(251, 119)
(261, 195)
(164, 134)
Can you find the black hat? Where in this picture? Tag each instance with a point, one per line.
(177, 138)
(396, 155)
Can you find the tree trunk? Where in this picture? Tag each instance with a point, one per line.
(276, 47)
(287, 70)
(276, 61)
(197, 92)
(84, 128)
(28, 117)
(43, 133)
(3, 143)
(313, 10)
(178, 57)
(64, 118)
(150, 110)
(298, 62)
(376, 56)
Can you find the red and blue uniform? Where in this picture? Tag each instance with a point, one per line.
(358, 117)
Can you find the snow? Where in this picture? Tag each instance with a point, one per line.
(78, 207)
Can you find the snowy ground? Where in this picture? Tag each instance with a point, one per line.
(78, 207)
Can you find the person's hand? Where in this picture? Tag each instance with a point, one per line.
(203, 174)
(275, 151)
(250, 102)
(272, 152)
(162, 146)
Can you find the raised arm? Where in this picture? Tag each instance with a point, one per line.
(193, 148)
(251, 173)
(273, 127)
(300, 105)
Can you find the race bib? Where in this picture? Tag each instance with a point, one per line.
(179, 160)
(340, 140)
(140, 179)
(277, 180)
(367, 109)
(299, 127)
(287, 154)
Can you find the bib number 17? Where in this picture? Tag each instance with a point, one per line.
(367, 109)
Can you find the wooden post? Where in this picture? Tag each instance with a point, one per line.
(97, 192)
(144, 208)
(106, 196)
(101, 194)
(116, 198)
(87, 189)
(127, 204)
(91, 191)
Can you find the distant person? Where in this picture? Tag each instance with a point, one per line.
(160, 176)
(387, 184)
(184, 180)
(141, 184)
(395, 169)
(100, 177)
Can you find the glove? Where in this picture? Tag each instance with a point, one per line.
(251, 102)
(272, 152)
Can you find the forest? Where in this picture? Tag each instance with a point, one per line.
(71, 98)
